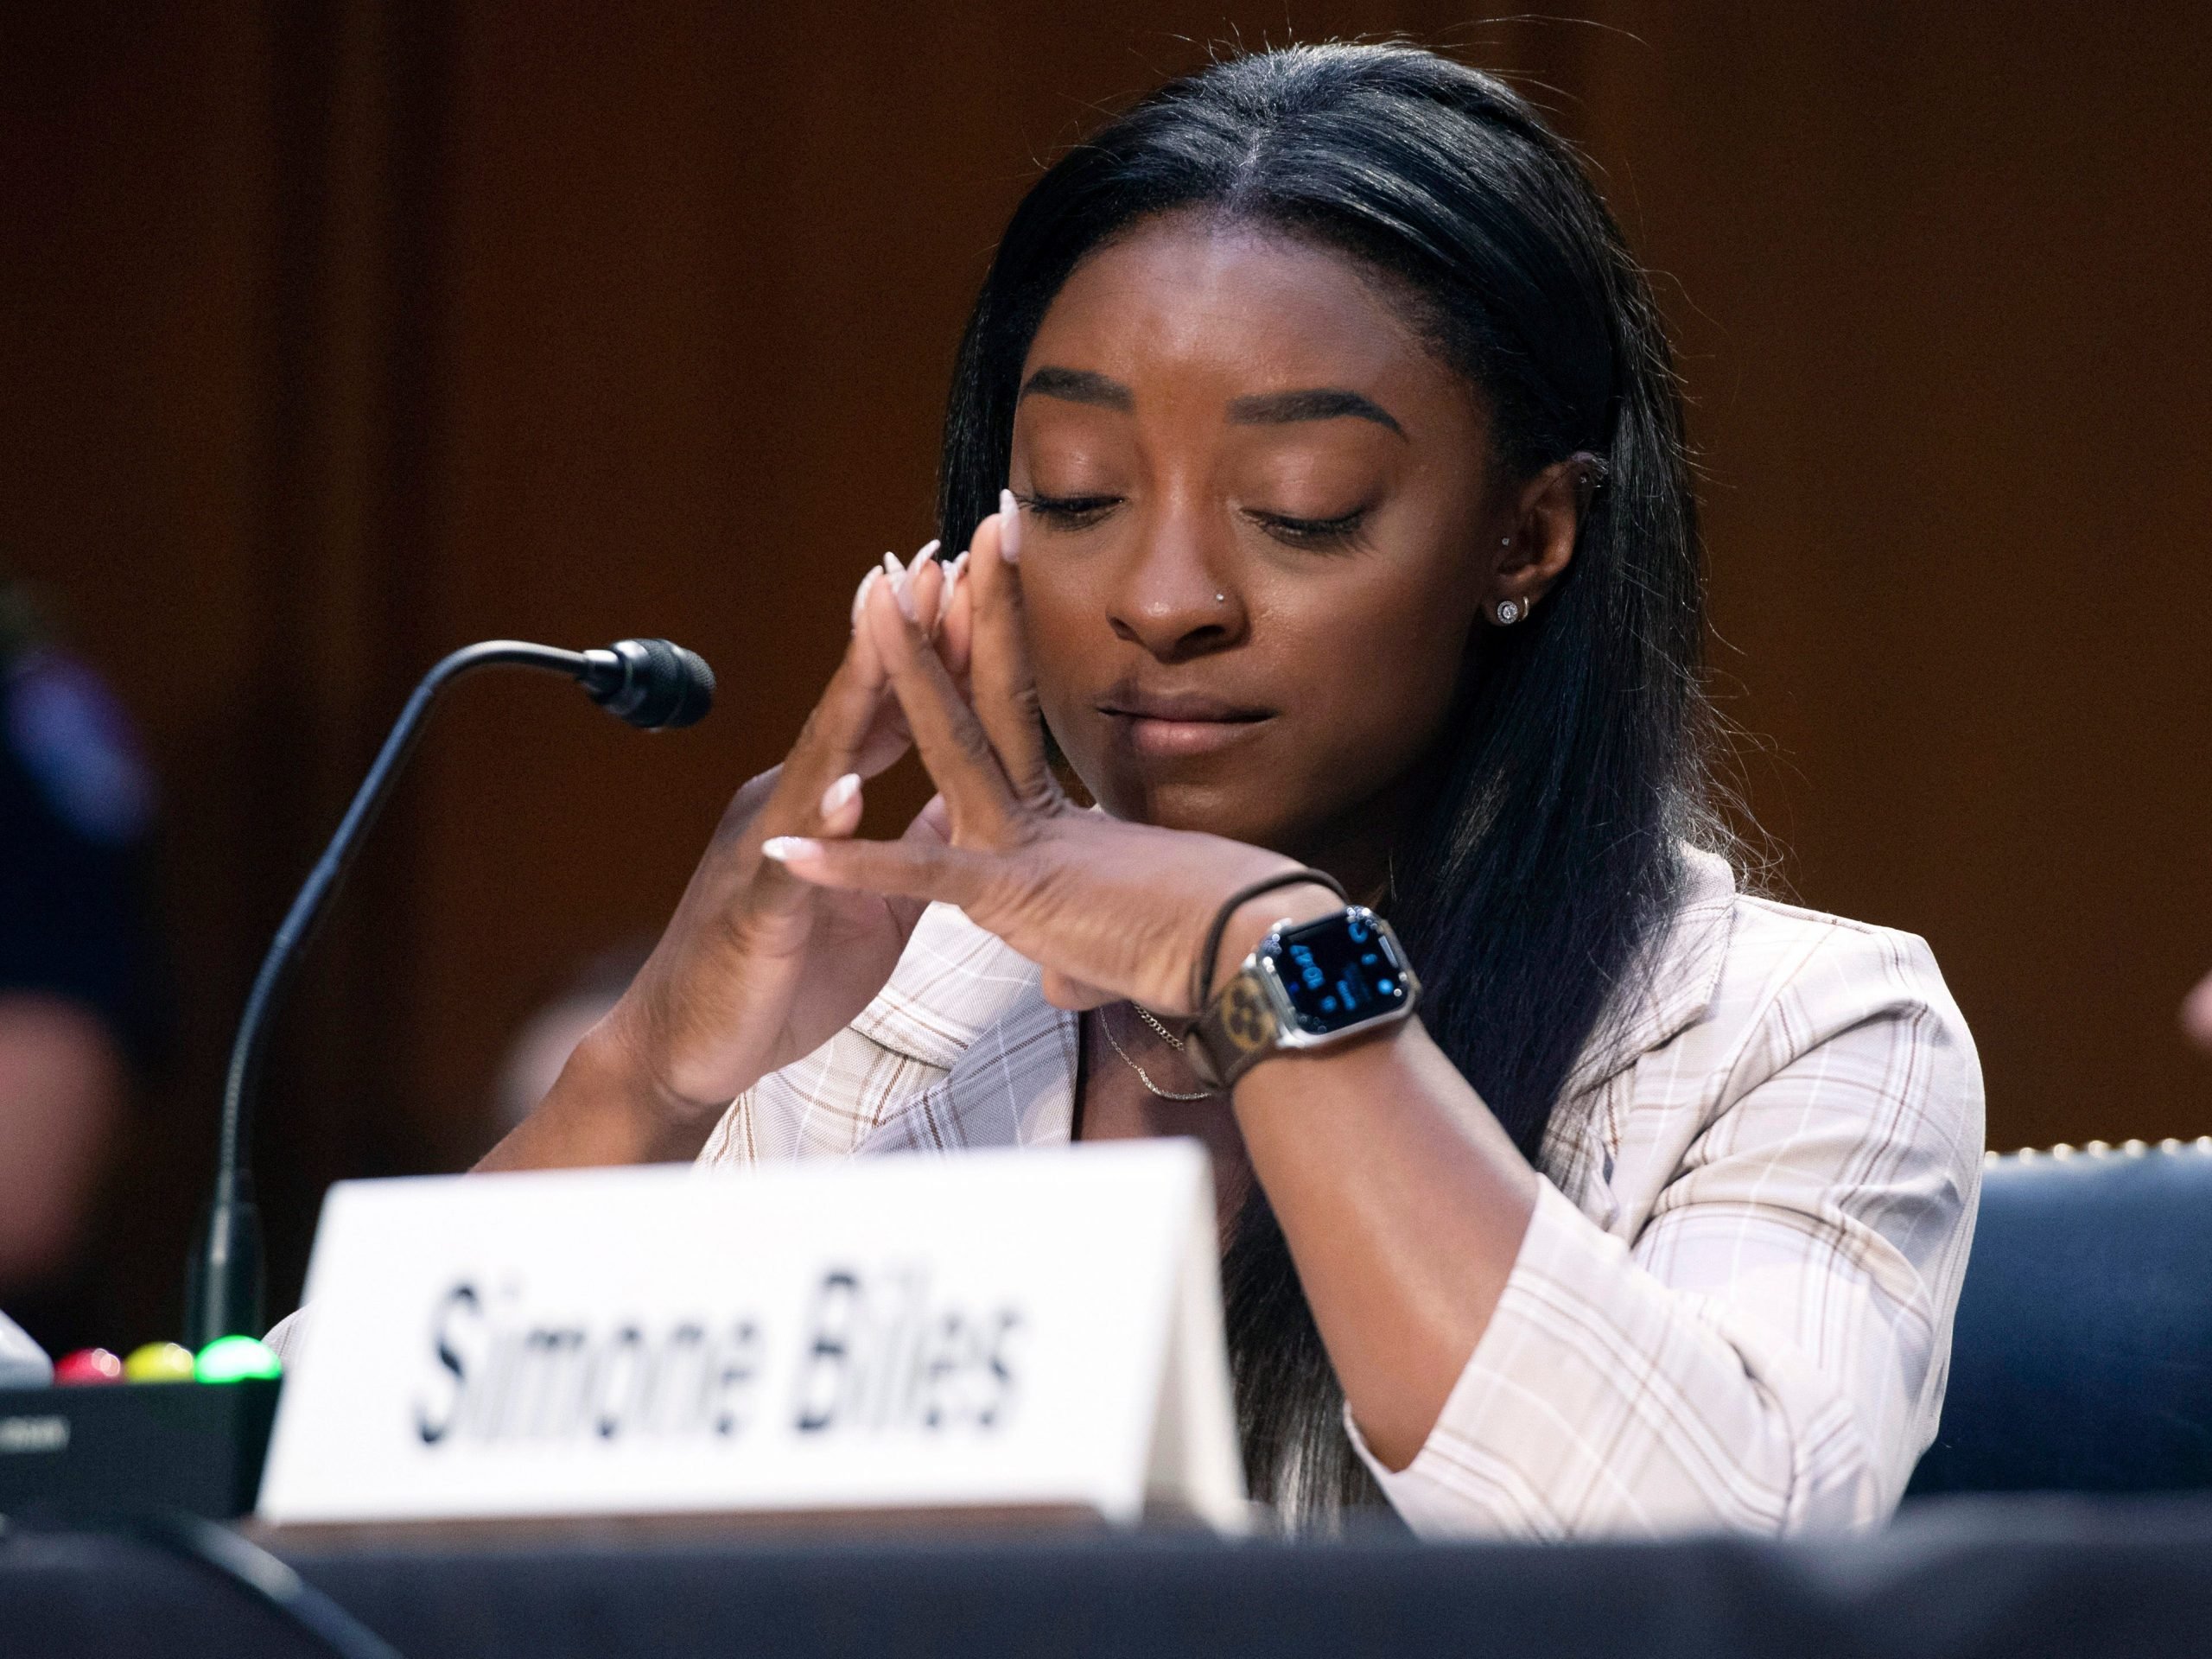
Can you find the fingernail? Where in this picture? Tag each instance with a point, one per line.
(960, 564)
(839, 794)
(860, 598)
(784, 848)
(1009, 528)
(951, 587)
(896, 573)
(929, 550)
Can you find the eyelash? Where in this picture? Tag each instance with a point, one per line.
(1080, 511)
(1070, 511)
(1312, 532)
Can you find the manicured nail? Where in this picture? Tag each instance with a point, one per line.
(860, 598)
(960, 564)
(896, 573)
(928, 552)
(952, 573)
(839, 794)
(1009, 528)
(784, 848)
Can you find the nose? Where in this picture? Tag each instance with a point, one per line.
(1176, 597)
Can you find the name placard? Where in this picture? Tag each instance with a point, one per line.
(1037, 1329)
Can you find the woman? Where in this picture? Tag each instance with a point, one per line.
(1343, 533)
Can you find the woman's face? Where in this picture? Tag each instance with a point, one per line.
(1259, 527)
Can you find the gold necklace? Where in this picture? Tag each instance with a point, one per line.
(1144, 1078)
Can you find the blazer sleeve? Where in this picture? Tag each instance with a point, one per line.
(1768, 1353)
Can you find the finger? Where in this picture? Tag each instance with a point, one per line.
(932, 823)
(886, 739)
(925, 579)
(918, 867)
(953, 744)
(836, 739)
(838, 816)
(1004, 689)
(955, 623)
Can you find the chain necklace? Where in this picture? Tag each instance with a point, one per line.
(1173, 1041)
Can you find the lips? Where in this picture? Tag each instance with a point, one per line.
(1174, 724)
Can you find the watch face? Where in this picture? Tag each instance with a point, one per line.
(1338, 971)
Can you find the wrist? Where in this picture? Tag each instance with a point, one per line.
(1254, 919)
(617, 1067)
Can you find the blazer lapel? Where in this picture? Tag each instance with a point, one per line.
(1013, 1086)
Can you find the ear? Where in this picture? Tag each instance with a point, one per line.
(1536, 539)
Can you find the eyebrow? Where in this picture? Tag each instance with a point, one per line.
(1079, 387)
(1262, 408)
(1318, 403)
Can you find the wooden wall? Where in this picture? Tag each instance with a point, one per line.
(337, 336)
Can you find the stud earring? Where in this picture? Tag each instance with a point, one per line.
(1505, 541)
(1507, 612)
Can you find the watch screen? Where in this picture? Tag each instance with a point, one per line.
(1338, 971)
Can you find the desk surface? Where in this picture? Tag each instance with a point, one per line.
(1998, 1578)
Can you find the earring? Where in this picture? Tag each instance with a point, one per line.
(1507, 612)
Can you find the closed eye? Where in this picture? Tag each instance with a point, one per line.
(1342, 531)
(1070, 511)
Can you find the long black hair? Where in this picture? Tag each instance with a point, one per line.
(1532, 889)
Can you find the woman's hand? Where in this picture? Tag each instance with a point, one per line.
(755, 968)
(1109, 909)
(1402, 1200)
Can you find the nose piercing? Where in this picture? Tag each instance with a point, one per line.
(1221, 598)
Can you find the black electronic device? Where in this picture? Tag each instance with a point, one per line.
(1307, 985)
(651, 684)
(193, 1446)
(1338, 973)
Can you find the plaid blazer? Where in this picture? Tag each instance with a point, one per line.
(1733, 1306)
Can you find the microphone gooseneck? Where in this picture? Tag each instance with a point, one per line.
(651, 684)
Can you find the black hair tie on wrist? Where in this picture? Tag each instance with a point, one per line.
(1202, 969)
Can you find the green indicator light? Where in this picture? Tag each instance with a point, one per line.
(232, 1359)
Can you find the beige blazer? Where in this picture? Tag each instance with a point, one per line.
(1733, 1307)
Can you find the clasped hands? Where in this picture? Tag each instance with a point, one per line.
(1108, 909)
(790, 926)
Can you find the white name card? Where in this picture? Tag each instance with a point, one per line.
(1026, 1330)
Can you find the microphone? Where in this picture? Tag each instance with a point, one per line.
(652, 683)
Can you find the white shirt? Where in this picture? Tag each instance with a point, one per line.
(1733, 1306)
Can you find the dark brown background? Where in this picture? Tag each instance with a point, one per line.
(337, 336)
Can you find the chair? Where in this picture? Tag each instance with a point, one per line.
(2082, 1357)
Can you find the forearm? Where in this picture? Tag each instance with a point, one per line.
(1404, 1203)
(603, 1109)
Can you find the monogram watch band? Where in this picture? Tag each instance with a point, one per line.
(1237, 1030)
(1307, 986)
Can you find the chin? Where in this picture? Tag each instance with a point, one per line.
(1213, 807)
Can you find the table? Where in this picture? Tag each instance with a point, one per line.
(2002, 1578)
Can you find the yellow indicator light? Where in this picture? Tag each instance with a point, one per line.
(159, 1361)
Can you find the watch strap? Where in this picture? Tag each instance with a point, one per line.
(1235, 1032)
(1202, 966)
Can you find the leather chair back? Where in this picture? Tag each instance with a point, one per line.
(2082, 1357)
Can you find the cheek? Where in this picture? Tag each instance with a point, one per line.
(1383, 668)
(1059, 626)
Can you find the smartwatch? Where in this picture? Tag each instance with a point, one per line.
(1308, 985)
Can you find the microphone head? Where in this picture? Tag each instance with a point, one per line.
(654, 684)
